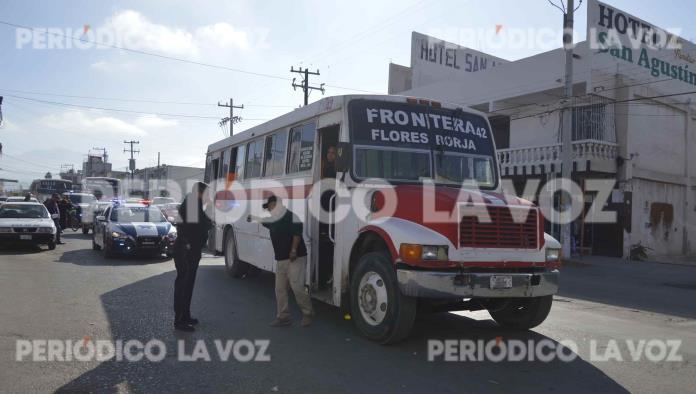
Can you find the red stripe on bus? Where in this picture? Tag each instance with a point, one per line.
(387, 239)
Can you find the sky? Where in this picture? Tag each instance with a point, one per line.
(170, 106)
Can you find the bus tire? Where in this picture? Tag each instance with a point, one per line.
(378, 308)
(523, 313)
(234, 267)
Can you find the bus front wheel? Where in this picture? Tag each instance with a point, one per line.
(235, 267)
(378, 308)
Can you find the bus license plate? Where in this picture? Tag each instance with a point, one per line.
(501, 282)
(25, 237)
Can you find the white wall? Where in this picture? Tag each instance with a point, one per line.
(664, 238)
(534, 131)
(656, 133)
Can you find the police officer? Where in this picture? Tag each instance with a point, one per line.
(291, 256)
(53, 208)
(192, 235)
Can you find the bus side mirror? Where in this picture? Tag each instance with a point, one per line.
(344, 156)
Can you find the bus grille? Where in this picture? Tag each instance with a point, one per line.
(501, 232)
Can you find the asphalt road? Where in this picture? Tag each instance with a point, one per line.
(74, 292)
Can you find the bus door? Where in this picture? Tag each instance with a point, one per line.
(213, 175)
(324, 242)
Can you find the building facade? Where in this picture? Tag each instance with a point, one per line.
(633, 125)
(167, 180)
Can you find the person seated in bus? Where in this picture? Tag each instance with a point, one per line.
(290, 252)
(328, 165)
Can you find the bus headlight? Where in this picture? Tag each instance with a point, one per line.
(411, 253)
(553, 255)
(431, 252)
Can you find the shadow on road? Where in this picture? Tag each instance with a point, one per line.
(329, 356)
(91, 257)
(654, 287)
(20, 248)
(96, 257)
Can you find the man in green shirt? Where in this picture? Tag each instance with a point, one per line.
(290, 252)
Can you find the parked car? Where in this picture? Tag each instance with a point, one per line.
(163, 201)
(170, 211)
(28, 223)
(129, 228)
(20, 199)
(95, 209)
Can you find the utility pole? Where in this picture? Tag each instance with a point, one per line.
(131, 162)
(567, 134)
(104, 155)
(305, 82)
(232, 119)
(159, 173)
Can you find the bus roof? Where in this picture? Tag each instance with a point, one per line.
(325, 105)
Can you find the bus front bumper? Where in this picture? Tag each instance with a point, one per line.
(437, 284)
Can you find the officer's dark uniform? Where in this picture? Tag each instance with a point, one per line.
(53, 208)
(192, 234)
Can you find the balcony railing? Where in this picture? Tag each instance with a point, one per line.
(601, 152)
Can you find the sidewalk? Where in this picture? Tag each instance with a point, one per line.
(675, 260)
(640, 285)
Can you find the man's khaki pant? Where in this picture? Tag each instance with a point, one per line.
(292, 273)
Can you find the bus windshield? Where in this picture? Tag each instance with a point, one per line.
(392, 164)
(411, 142)
(462, 169)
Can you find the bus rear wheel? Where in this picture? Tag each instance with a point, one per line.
(378, 308)
(522, 313)
(235, 267)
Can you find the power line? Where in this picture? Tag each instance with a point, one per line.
(613, 102)
(136, 100)
(182, 60)
(111, 109)
(141, 52)
(120, 109)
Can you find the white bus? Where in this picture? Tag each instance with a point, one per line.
(424, 174)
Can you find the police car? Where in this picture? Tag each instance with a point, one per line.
(26, 222)
(130, 228)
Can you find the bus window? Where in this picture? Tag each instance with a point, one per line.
(238, 163)
(275, 154)
(301, 150)
(253, 159)
(206, 173)
(225, 164)
(214, 167)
